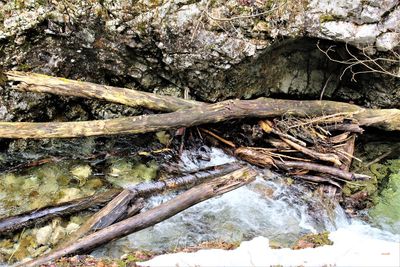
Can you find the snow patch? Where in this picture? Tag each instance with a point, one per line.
(355, 245)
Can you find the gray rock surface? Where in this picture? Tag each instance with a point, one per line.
(214, 49)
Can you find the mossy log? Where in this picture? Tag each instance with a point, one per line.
(231, 109)
(40, 83)
(158, 214)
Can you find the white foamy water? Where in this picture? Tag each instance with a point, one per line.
(266, 207)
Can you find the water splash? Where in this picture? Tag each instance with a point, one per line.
(267, 207)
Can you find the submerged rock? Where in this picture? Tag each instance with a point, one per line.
(313, 241)
(43, 235)
(82, 173)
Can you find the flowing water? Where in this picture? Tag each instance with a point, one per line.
(271, 206)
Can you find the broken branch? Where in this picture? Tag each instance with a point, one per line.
(148, 218)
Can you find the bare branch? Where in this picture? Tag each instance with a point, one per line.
(274, 7)
(372, 65)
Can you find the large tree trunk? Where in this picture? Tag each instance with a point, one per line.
(232, 109)
(164, 211)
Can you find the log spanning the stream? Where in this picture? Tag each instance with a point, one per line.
(197, 112)
(27, 219)
(158, 214)
(231, 109)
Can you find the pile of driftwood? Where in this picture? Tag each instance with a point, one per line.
(311, 140)
(304, 147)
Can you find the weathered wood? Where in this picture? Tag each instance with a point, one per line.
(40, 83)
(109, 214)
(133, 209)
(336, 172)
(340, 138)
(317, 179)
(348, 152)
(268, 127)
(113, 211)
(148, 218)
(27, 219)
(329, 157)
(222, 111)
(255, 157)
(116, 208)
(219, 138)
(346, 127)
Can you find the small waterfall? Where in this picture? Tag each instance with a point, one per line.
(267, 207)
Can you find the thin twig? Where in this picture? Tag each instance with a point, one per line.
(322, 118)
(325, 85)
(247, 16)
(223, 140)
(354, 61)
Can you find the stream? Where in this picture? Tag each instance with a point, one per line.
(273, 207)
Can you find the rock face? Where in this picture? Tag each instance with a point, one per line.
(213, 49)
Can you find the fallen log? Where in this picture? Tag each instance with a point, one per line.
(116, 208)
(112, 212)
(255, 157)
(27, 219)
(133, 209)
(148, 218)
(336, 172)
(222, 111)
(40, 83)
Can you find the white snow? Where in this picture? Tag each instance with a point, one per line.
(355, 245)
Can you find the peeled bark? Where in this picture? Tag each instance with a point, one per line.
(148, 218)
